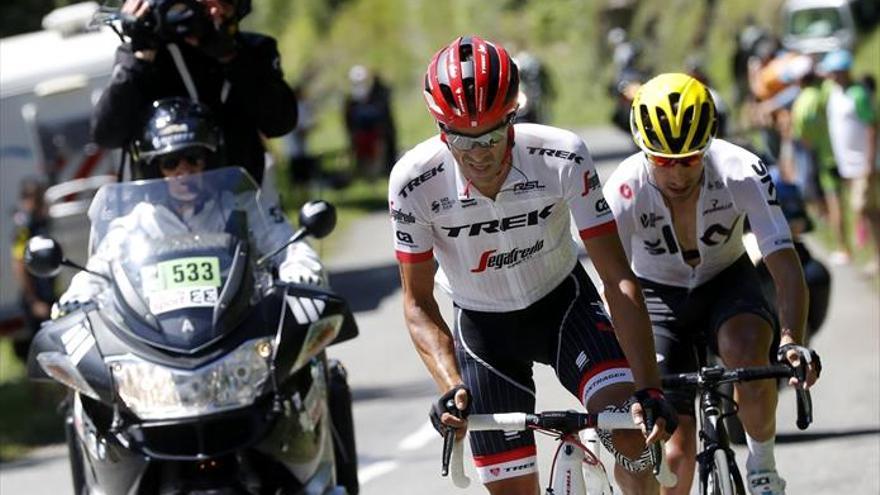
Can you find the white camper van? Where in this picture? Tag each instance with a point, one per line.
(49, 82)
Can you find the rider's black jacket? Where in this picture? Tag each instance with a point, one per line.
(257, 101)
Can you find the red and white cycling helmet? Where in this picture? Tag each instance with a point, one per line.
(470, 83)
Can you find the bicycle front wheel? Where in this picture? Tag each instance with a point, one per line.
(724, 478)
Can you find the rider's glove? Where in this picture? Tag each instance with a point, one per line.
(808, 355)
(655, 406)
(141, 34)
(446, 403)
(299, 274)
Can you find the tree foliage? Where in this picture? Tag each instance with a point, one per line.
(23, 16)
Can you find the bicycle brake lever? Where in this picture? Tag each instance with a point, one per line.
(448, 440)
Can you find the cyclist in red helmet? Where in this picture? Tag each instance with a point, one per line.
(492, 202)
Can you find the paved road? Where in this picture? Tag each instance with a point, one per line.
(399, 451)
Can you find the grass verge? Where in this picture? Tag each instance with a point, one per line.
(29, 416)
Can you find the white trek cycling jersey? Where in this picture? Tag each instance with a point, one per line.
(505, 254)
(735, 184)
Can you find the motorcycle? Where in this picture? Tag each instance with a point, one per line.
(196, 370)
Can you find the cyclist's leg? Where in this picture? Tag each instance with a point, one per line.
(499, 381)
(676, 353)
(745, 326)
(590, 363)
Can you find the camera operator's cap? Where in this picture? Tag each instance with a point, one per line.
(836, 61)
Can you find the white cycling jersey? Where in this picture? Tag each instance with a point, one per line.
(735, 184)
(502, 254)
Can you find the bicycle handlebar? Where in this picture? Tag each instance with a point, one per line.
(566, 422)
(716, 375)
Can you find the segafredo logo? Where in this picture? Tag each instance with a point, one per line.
(507, 259)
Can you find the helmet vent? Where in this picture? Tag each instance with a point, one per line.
(703, 131)
(494, 69)
(674, 98)
(649, 129)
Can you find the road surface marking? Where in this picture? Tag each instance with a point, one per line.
(419, 438)
(372, 471)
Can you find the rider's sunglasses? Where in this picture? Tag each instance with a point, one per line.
(488, 139)
(685, 161)
(193, 156)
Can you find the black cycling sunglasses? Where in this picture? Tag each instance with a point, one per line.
(193, 156)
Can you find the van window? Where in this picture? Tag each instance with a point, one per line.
(815, 23)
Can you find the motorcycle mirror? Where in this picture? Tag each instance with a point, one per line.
(318, 218)
(43, 256)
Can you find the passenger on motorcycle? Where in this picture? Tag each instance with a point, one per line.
(180, 139)
(680, 204)
(493, 202)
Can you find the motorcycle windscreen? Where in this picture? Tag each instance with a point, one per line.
(184, 292)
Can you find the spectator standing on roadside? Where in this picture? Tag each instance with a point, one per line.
(370, 123)
(37, 294)
(302, 166)
(811, 157)
(206, 58)
(852, 126)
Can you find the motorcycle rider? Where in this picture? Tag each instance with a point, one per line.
(237, 74)
(180, 138)
(493, 201)
(680, 205)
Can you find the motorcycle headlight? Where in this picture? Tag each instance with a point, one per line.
(154, 391)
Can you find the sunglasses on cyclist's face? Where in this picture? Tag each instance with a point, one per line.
(488, 139)
(195, 157)
(686, 161)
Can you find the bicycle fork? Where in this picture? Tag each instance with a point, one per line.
(574, 474)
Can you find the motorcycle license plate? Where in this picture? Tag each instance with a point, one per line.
(182, 283)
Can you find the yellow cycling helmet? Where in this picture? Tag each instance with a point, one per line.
(673, 115)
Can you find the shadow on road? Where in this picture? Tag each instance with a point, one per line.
(419, 388)
(365, 288)
(824, 435)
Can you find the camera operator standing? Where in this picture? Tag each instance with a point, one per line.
(193, 48)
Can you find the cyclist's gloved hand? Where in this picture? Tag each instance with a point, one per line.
(792, 354)
(451, 410)
(651, 406)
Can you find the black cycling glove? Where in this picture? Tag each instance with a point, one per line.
(654, 406)
(808, 355)
(446, 403)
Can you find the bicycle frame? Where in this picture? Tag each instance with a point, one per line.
(716, 457)
(572, 456)
(714, 438)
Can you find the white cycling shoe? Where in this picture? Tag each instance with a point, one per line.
(766, 483)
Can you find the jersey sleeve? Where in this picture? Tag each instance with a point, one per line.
(755, 194)
(621, 209)
(411, 229)
(583, 193)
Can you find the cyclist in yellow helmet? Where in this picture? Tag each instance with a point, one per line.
(680, 204)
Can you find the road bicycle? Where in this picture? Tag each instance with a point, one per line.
(718, 472)
(576, 468)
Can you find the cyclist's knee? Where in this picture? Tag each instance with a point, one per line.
(744, 340)
(627, 446)
(612, 395)
(520, 485)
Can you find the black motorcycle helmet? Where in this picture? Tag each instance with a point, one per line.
(173, 125)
